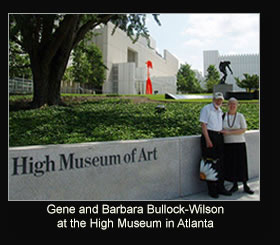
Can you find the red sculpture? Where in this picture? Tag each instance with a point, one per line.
(149, 88)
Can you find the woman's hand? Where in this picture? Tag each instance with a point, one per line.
(226, 132)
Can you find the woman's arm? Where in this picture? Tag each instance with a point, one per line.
(234, 131)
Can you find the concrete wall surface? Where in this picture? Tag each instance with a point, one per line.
(154, 169)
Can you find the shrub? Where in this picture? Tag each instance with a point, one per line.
(110, 119)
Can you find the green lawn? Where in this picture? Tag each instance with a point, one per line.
(110, 119)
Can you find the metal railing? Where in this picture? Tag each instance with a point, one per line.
(20, 86)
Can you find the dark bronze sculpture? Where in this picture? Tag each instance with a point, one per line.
(222, 66)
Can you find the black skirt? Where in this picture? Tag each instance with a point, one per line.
(235, 162)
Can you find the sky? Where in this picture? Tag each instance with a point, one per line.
(187, 35)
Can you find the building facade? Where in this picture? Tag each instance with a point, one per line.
(126, 63)
(240, 64)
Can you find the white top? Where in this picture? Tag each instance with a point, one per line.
(240, 123)
(212, 117)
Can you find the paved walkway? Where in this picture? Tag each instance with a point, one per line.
(240, 195)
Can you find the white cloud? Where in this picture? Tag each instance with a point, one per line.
(194, 43)
(228, 33)
(204, 26)
(187, 35)
(219, 25)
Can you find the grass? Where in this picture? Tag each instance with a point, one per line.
(109, 119)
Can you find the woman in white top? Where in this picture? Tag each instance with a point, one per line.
(235, 154)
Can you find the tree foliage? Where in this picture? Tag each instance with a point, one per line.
(19, 62)
(250, 82)
(88, 66)
(186, 80)
(134, 25)
(212, 78)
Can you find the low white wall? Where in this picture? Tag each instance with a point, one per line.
(154, 169)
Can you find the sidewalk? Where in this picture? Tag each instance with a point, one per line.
(237, 196)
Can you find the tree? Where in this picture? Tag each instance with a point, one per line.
(49, 39)
(19, 63)
(88, 66)
(212, 78)
(186, 80)
(250, 82)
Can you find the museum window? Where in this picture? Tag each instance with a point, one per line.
(132, 56)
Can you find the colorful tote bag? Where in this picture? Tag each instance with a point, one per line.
(209, 169)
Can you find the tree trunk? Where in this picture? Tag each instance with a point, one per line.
(57, 69)
(46, 87)
(47, 78)
(40, 83)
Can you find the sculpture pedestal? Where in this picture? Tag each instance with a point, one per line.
(223, 88)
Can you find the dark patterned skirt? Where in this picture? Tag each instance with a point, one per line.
(235, 162)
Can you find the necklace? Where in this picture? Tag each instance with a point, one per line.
(232, 121)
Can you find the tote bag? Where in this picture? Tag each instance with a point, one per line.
(209, 169)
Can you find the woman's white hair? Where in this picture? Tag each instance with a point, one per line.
(232, 99)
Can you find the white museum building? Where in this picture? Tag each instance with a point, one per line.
(240, 64)
(126, 63)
